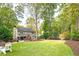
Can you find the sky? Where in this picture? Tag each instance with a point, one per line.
(26, 15)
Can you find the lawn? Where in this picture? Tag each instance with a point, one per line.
(40, 48)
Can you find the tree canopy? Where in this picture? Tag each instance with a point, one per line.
(47, 19)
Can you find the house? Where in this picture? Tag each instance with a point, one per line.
(22, 33)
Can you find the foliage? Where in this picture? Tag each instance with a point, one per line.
(64, 35)
(8, 17)
(30, 23)
(34, 10)
(5, 33)
(65, 23)
(8, 20)
(17, 8)
(75, 35)
(47, 15)
(56, 28)
(45, 35)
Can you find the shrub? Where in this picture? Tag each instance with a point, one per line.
(41, 37)
(65, 35)
(70, 35)
(61, 36)
(5, 33)
(75, 35)
(55, 34)
(46, 35)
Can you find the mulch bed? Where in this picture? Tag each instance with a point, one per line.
(74, 45)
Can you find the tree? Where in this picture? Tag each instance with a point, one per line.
(8, 20)
(34, 10)
(68, 17)
(7, 17)
(47, 14)
(30, 23)
(17, 8)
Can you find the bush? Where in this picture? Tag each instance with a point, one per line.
(44, 36)
(55, 34)
(65, 35)
(68, 35)
(41, 37)
(5, 33)
(75, 35)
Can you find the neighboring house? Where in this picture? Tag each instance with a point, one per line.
(23, 33)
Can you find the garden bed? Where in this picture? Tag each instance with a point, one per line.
(74, 45)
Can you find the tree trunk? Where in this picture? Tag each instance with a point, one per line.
(36, 29)
(36, 19)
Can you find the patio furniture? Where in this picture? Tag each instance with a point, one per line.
(6, 47)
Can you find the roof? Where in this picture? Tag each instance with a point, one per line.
(25, 29)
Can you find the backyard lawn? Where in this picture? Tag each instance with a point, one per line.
(40, 48)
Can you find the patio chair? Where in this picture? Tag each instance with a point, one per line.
(6, 47)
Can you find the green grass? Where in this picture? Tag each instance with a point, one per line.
(40, 48)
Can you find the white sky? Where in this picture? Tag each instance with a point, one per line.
(26, 15)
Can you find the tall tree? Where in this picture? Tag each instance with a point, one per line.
(8, 20)
(48, 11)
(8, 17)
(68, 15)
(34, 10)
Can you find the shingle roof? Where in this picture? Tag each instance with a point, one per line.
(25, 29)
